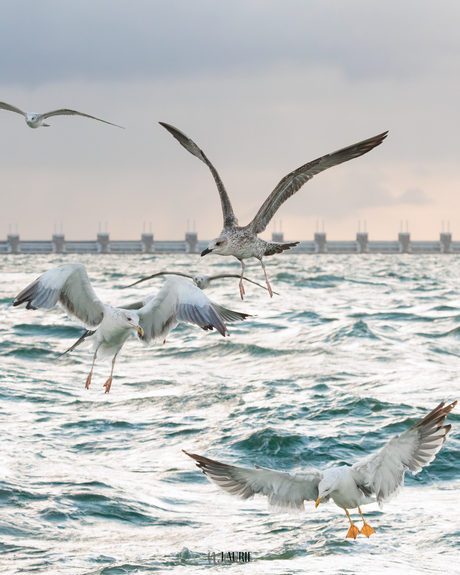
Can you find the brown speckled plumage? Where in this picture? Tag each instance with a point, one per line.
(243, 242)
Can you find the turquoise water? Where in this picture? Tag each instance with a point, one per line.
(353, 351)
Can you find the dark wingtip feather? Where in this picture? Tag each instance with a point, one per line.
(438, 415)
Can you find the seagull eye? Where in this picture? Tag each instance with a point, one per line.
(128, 318)
(218, 243)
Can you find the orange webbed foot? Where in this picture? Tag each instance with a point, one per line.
(353, 532)
(367, 530)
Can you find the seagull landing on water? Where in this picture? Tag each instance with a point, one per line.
(378, 477)
(243, 242)
(199, 280)
(179, 300)
(36, 120)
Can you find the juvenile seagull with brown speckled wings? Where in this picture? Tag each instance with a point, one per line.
(243, 242)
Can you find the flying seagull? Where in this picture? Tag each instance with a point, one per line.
(378, 477)
(243, 242)
(109, 327)
(201, 281)
(36, 120)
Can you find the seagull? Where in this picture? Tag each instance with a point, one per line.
(199, 280)
(243, 242)
(36, 120)
(378, 477)
(109, 327)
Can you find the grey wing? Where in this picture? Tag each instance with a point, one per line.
(382, 473)
(10, 108)
(229, 217)
(211, 278)
(229, 315)
(292, 183)
(66, 112)
(156, 275)
(285, 491)
(179, 300)
(68, 286)
(134, 305)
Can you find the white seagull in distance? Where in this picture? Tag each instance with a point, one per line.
(201, 281)
(179, 300)
(243, 242)
(378, 477)
(36, 120)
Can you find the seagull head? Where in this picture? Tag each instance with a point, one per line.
(201, 281)
(331, 481)
(218, 246)
(33, 120)
(132, 319)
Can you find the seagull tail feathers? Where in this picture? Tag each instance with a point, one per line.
(274, 248)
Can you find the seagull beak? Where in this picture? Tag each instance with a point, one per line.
(139, 329)
(206, 251)
(318, 501)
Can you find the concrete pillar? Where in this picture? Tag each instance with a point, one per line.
(191, 242)
(13, 243)
(58, 243)
(446, 243)
(363, 242)
(147, 243)
(104, 243)
(278, 237)
(320, 241)
(404, 240)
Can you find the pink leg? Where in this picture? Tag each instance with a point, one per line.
(88, 379)
(242, 292)
(108, 383)
(269, 287)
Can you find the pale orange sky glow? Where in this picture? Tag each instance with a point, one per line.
(261, 87)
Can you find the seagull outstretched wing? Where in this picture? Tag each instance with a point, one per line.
(292, 183)
(382, 473)
(66, 112)
(68, 286)
(159, 274)
(285, 491)
(180, 300)
(10, 108)
(230, 220)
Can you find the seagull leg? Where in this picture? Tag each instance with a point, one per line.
(353, 531)
(242, 292)
(108, 383)
(88, 379)
(269, 287)
(366, 529)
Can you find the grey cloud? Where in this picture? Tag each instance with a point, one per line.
(52, 41)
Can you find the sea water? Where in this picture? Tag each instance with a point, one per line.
(354, 350)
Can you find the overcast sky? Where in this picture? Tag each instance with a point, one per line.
(262, 86)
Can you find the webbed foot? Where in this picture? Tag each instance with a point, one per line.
(367, 530)
(353, 532)
(242, 292)
(108, 384)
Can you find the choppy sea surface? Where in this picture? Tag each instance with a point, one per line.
(353, 351)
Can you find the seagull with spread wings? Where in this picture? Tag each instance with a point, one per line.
(37, 120)
(200, 280)
(243, 242)
(378, 477)
(108, 327)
